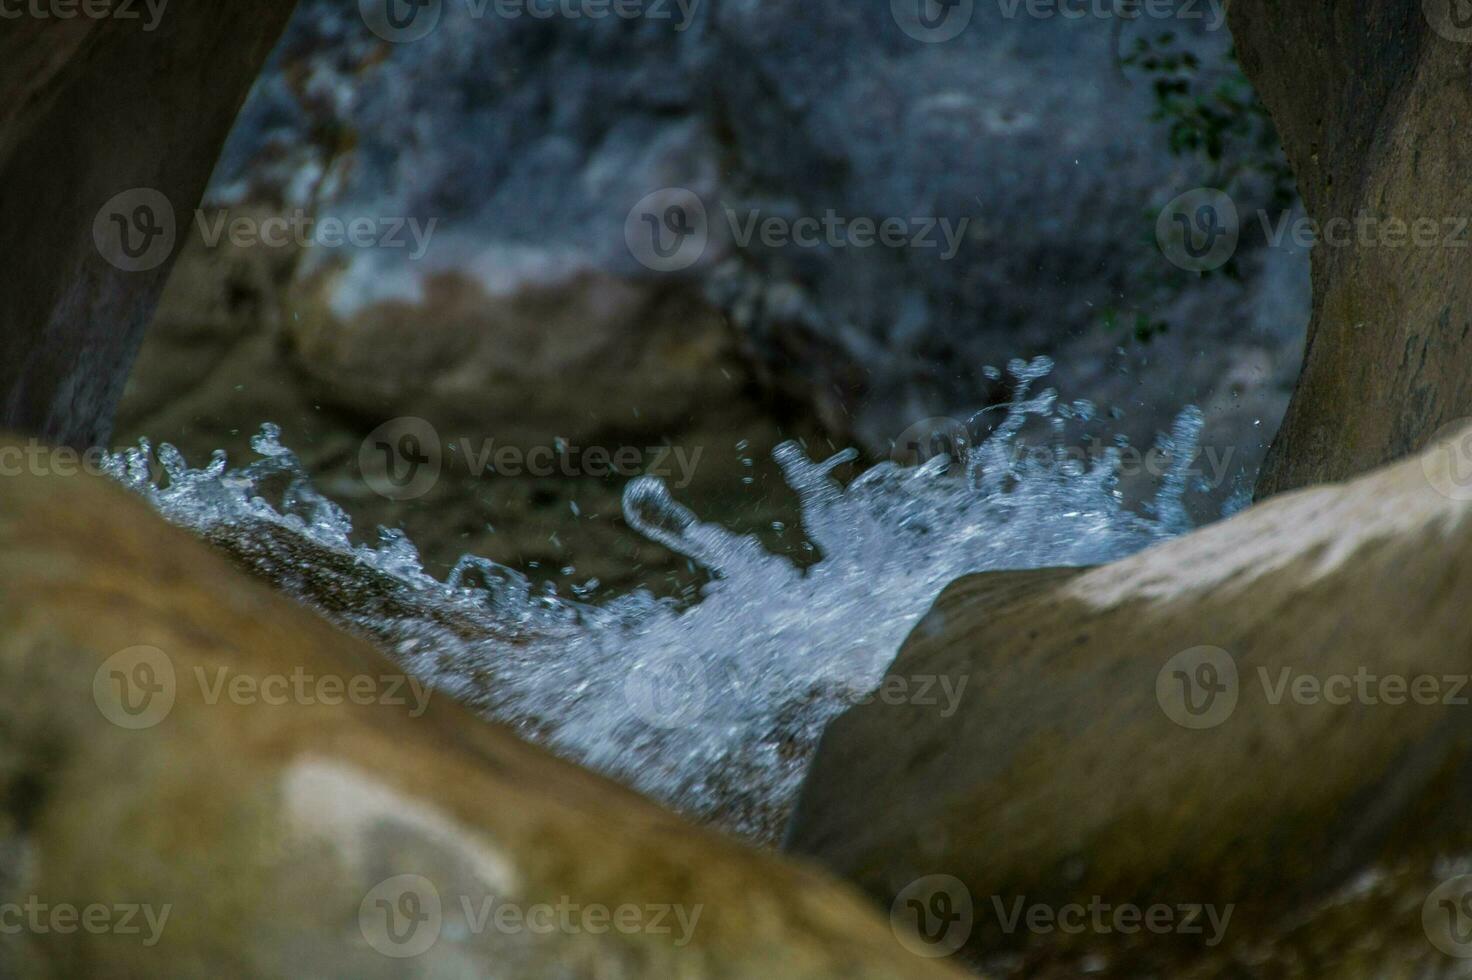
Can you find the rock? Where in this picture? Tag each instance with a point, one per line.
(111, 119)
(236, 344)
(1025, 132)
(528, 321)
(1368, 106)
(532, 145)
(261, 795)
(1313, 786)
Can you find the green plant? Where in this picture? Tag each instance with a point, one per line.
(1212, 115)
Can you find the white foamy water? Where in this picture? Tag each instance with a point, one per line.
(716, 708)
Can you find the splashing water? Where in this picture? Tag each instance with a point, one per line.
(715, 709)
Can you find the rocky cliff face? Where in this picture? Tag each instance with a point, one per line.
(109, 130)
(1368, 99)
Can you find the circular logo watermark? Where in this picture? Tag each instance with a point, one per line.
(401, 21)
(135, 688)
(401, 458)
(1452, 19)
(933, 21)
(135, 231)
(401, 916)
(930, 438)
(1199, 230)
(1446, 915)
(1197, 688)
(933, 916)
(669, 691)
(668, 230)
(1447, 461)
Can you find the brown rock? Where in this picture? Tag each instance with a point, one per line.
(273, 816)
(1371, 103)
(1072, 768)
(95, 108)
(613, 370)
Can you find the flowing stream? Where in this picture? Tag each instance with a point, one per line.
(714, 708)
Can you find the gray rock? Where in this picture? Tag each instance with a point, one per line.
(535, 144)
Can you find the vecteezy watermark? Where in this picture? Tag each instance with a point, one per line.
(405, 915)
(1213, 13)
(96, 918)
(402, 21)
(1198, 688)
(1446, 915)
(937, 21)
(1105, 918)
(834, 230)
(669, 230)
(1364, 687)
(564, 458)
(674, 690)
(929, 439)
(1447, 461)
(1199, 230)
(669, 690)
(136, 688)
(1452, 19)
(38, 459)
(137, 230)
(301, 687)
(304, 230)
(933, 21)
(1366, 230)
(933, 916)
(147, 12)
(403, 458)
(917, 690)
(1209, 466)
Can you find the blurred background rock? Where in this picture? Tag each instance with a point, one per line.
(530, 141)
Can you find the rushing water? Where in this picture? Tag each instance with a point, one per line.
(716, 708)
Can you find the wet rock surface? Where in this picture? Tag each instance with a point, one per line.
(1367, 104)
(268, 796)
(1262, 716)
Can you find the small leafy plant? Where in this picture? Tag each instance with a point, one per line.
(1212, 115)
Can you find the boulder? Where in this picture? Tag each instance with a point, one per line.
(533, 148)
(200, 777)
(520, 147)
(1265, 718)
(1369, 102)
(662, 390)
(113, 117)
